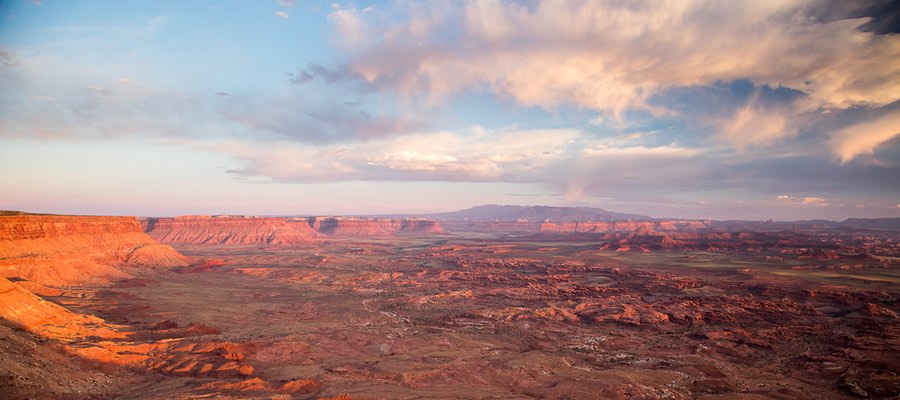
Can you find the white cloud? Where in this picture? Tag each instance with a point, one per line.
(813, 200)
(612, 56)
(350, 28)
(754, 125)
(865, 137)
(128, 81)
(804, 201)
(475, 154)
(282, 14)
(286, 3)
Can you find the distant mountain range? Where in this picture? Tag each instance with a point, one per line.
(494, 212)
(878, 224)
(534, 214)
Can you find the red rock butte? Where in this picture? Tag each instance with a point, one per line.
(670, 225)
(354, 226)
(229, 230)
(67, 250)
(241, 230)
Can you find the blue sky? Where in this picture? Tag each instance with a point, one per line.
(698, 109)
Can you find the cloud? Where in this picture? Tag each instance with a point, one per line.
(318, 120)
(286, 3)
(315, 71)
(128, 81)
(282, 14)
(475, 154)
(611, 56)
(123, 107)
(126, 107)
(7, 59)
(350, 29)
(864, 137)
(664, 92)
(755, 124)
(805, 201)
(630, 171)
(813, 200)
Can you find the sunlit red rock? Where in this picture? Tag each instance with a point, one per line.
(374, 313)
(229, 230)
(239, 230)
(353, 226)
(72, 250)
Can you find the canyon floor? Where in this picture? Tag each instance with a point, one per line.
(480, 317)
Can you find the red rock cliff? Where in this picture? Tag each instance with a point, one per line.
(351, 226)
(493, 226)
(229, 230)
(30, 312)
(72, 250)
(623, 226)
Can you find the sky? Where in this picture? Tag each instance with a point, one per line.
(688, 109)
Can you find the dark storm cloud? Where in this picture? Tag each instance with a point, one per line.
(884, 14)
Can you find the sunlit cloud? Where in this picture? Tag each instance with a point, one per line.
(790, 104)
(865, 137)
(753, 124)
(611, 56)
(350, 29)
(473, 155)
(806, 201)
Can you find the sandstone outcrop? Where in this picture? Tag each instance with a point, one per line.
(36, 315)
(229, 230)
(353, 226)
(239, 230)
(624, 226)
(72, 250)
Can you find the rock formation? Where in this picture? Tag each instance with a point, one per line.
(624, 226)
(352, 226)
(66, 250)
(31, 313)
(229, 230)
(278, 231)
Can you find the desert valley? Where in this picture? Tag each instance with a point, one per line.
(454, 199)
(538, 302)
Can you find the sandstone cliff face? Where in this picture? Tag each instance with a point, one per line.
(493, 226)
(229, 230)
(349, 226)
(278, 231)
(623, 226)
(69, 250)
(30, 312)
